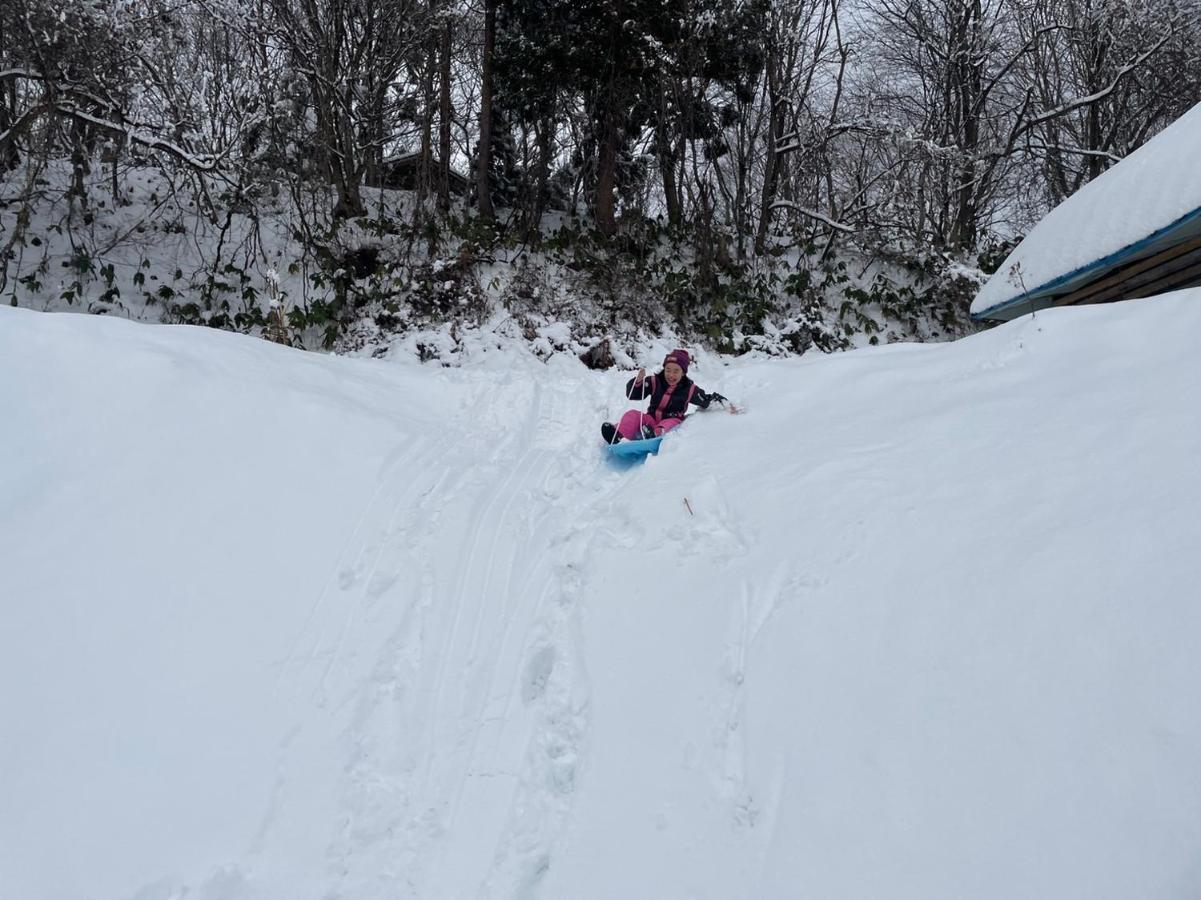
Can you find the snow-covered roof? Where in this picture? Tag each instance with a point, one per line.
(1148, 201)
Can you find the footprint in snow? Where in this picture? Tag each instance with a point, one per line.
(347, 577)
(380, 582)
(537, 674)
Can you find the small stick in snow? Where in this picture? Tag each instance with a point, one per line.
(689, 505)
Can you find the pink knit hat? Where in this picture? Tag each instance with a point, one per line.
(679, 357)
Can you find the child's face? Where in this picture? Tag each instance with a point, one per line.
(672, 373)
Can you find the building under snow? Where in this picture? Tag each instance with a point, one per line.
(1135, 231)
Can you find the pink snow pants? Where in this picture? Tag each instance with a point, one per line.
(634, 419)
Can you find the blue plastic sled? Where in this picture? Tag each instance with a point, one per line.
(635, 449)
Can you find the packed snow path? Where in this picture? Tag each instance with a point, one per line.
(468, 738)
(280, 625)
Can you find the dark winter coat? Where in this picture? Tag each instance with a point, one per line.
(655, 386)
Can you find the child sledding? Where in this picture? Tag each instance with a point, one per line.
(670, 392)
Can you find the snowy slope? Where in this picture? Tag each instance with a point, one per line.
(275, 625)
(1147, 191)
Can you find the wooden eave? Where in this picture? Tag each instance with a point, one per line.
(1175, 267)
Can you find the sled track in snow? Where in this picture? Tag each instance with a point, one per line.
(478, 698)
(358, 560)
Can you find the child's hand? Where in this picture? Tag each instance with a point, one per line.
(641, 375)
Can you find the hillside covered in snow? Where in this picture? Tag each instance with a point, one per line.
(920, 624)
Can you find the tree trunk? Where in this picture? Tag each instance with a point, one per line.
(336, 137)
(1093, 142)
(775, 132)
(373, 132)
(1054, 166)
(10, 157)
(667, 169)
(770, 174)
(741, 187)
(484, 163)
(80, 166)
(705, 245)
(969, 89)
(445, 115)
(346, 183)
(665, 154)
(118, 145)
(605, 209)
(426, 153)
(544, 135)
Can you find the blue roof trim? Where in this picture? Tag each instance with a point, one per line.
(1102, 263)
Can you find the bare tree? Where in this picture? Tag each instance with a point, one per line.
(484, 160)
(445, 107)
(1103, 77)
(799, 59)
(350, 52)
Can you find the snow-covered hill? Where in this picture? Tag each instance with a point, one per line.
(279, 625)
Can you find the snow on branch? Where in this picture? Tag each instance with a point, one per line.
(874, 128)
(1097, 96)
(1076, 151)
(812, 214)
(13, 74)
(202, 163)
(206, 163)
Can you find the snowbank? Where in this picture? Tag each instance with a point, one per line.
(1152, 189)
(281, 625)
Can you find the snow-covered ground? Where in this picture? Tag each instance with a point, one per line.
(280, 625)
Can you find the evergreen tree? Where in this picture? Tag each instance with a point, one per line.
(629, 64)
